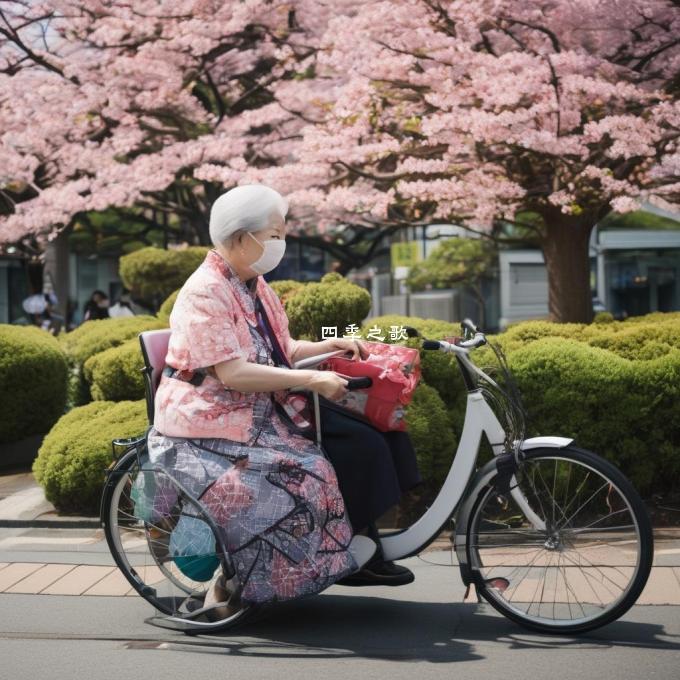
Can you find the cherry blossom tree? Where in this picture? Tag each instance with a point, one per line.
(475, 112)
(370, 113)
(146, 107)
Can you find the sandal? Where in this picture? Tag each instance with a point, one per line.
(222, 598)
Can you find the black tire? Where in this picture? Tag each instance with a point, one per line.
(118, 476)
(493, 589)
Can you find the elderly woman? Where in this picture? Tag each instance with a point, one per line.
(223, 422)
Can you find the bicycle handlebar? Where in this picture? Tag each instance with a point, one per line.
(359, 383)
(478, 340)
(469, 325)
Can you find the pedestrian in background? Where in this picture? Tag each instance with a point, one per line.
(123, 306)
(97, 307)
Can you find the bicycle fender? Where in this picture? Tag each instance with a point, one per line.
(501, 468)
(545, 443)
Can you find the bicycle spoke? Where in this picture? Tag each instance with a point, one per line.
(503, 545)
(587, 573)
(554, 489)
(570, 589)
(583, 567)
(611, 514)
(554, 503)
(533, 597)
(528, 569)
(584, 505)
(608, 566)
(578, 490)
(536, 495)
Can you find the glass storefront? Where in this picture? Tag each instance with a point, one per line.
(302, 263)
(642, 281)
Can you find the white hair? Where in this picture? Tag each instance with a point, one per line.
(248, 207)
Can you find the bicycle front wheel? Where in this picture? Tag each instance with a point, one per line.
(588, 560)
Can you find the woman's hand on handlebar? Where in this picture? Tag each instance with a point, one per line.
(357, 347)
(328, 384)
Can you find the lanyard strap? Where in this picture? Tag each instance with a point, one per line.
(280, 359)
(278, 354)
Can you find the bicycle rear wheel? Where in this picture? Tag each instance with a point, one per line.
(589, 563)
(140, 538)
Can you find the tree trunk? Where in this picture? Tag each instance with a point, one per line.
(565, 249)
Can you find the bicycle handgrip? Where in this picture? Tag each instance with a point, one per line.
(431, 344)
(359, 383)
(469, 325)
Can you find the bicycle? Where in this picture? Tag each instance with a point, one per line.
(551, 535)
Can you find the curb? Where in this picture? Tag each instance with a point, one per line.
(50, 524)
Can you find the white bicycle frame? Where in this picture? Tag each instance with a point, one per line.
(479, 420)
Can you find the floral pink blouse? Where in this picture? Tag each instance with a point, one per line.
(210, 324)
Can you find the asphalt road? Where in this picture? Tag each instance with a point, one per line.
(420, 631)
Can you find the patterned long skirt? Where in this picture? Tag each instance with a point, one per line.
(276, 503)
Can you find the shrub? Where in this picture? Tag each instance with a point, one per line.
(115, 374)
(603, 317)
(153, 273)
(286, 289)
(625, 411)
(519, 335)
(166, 308)
(432, 329)
(96, 336)
(71, 462)
(430, 430)
(639, 340)
(653, 317)
(331, 302)
(33, 380)
(452, 262)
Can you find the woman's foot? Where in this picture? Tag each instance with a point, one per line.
(379, 574)
(378, 571)
(222, 592)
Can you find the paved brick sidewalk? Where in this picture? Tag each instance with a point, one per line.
(55, 578)
(53, 561)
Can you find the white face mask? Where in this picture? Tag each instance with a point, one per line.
(271, 256)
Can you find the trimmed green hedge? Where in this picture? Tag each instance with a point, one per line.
(96, 336)
(627, 411)
(72, 461)
(645, 338)
(431, 432)
(333, 301)
(153, 273)
(286, 288)
(166, 308)
(432, 329)
(613, 386)
(115, 374)
(33, 381)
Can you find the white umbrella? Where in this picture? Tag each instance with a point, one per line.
(35, 304)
